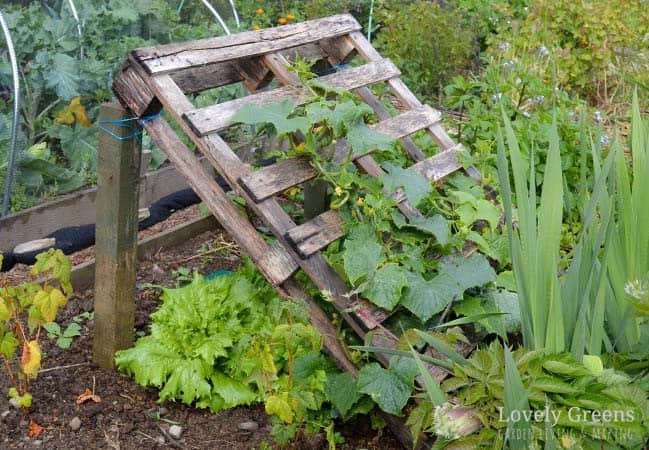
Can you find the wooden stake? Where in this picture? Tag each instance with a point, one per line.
(118, 171)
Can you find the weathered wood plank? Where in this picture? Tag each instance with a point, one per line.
(79, 208)
(133, 93)
(214, 118)
(276, 265)
(167, 58)
(403, 93)
(316, 234)
(200, 78)
(440, 165)
(230, 166)
(196, 79)
(118, 171)
(83, 275)
(274, 179)
(271, 180)
(339, 50)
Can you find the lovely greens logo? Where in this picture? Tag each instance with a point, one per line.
(573, 415)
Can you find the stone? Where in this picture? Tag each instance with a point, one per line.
(175, 431)
(75, 424)
(248, 426)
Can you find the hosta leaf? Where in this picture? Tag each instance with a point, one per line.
(416, 186)
(387, 389)
(386, 286)
(30, 361)
(363, 253)
(342, 392)
(275, 114)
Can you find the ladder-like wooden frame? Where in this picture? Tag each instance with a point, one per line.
(161, 77)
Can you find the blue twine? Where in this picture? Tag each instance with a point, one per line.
(124, 123)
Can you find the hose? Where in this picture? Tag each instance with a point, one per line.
(73, 8)
(6, 200)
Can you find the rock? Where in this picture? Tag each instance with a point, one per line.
(175, 431)
(162, 411)
(75, 424)
(37, 443)
(5, 414)
(14, 402)
(160, 440)
(249, 426)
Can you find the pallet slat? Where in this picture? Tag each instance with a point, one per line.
(273, 262)
(440, 165)
(217, 117)
(274, 179)
(285, 174)
(173, 57)
(316, 234)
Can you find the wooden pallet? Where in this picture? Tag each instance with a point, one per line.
(161, 77)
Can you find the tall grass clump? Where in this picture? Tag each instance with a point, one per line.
(580, 301)
(558, 312)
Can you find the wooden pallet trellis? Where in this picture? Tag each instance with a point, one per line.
(161, 77)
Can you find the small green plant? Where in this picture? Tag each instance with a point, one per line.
(24, 310)
(63, 337)
(232, 341)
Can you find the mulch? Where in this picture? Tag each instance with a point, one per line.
(129, 416)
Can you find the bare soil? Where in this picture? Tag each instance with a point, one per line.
(129, 416)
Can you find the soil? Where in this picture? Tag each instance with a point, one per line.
(127, 415)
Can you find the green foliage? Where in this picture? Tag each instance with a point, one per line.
(416, 37)
(63, 337)
(594, 47)
(54, 75)
(232, 341)
(386, 257)
(558, 313)
(24, 310)
(567, 400)
(628, 243)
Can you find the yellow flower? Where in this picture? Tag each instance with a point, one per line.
(360, 201)
(300, 147)
(290, 16)
(338, 191)
(260, 12)
(256, 27)
(282, 21)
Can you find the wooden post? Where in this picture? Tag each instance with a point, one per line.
(118, 170)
